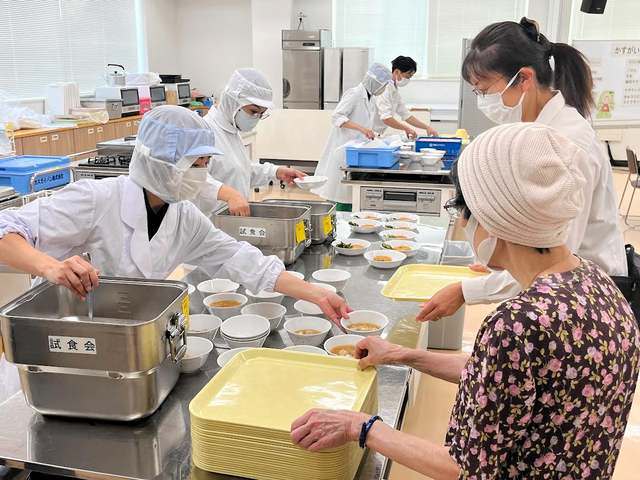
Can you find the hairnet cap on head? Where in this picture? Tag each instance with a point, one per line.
(173, 132)
(250, 87)
(381, 72)
(523, 184)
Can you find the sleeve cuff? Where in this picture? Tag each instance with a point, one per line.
(338, 121)
(19, 231)
(473, 290)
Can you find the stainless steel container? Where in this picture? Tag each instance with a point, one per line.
(323, 218)
(120, 366)
(281, 230)
(112, 106)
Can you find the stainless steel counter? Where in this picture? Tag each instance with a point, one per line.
(159, 447)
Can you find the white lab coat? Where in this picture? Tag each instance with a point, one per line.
(388, 105)
(595, 234)
(235, 169)
(357, 107)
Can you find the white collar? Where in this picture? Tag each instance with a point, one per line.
(215, 115)
(551, 110)
(132, 209)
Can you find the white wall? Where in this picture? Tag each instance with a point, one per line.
(162, 35)
(318, 12)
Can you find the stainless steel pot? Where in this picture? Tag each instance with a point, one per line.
(120, 366)
(323, 218)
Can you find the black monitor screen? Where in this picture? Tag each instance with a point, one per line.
(130, 97)
(184, 91)
(158, 94)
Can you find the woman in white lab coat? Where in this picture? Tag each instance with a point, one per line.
(508, 65)
(243, 104)
(352, 119)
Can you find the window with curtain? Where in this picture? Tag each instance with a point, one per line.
(48, 41)
(618, 22)
(429, 31)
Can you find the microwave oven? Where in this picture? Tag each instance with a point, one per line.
(178, 93)
(158, 96)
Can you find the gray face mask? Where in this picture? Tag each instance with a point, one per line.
(245, 122)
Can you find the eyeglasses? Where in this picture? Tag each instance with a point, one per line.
(452, 208)
(259, 116)
(484, 93)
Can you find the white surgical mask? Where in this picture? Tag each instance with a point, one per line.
(403, 82)
(495, 109)
(380, 91)
(486, 247)
(192, 182)
(245, 122)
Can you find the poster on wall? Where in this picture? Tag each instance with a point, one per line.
(615, 66)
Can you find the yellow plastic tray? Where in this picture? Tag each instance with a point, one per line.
(418, 283)
(268, 389)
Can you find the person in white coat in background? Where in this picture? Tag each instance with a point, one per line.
(352, 120)
(390, 104)
(508, 65)
(243, 104)
(139, 225)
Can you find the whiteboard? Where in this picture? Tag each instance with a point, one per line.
(615, 65)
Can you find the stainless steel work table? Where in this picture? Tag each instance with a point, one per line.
(159, 447)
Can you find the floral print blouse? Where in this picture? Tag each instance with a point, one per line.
(547, 390)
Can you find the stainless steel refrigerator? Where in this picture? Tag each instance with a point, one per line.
(302, 68)
(344, 68)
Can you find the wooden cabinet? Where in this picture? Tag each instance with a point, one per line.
(136, 124)
(19, 150)
(124, 128)
(105, 132)
(61, 143)
(36, 145)
(85, 139)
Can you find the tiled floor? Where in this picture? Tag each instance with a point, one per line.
(428, 418)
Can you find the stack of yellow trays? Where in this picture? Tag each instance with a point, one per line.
(241, 420)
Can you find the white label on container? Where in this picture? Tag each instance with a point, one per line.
(253, 232)
(82, 345)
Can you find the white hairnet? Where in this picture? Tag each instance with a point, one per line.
(170, 139)
(376, 77)
(247, 86)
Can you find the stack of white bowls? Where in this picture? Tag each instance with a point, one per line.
(245, 331)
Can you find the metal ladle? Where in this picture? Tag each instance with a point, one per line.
(87, 257)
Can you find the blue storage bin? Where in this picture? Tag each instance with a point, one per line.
(16, 172)
(451, 144)
(448, 164)
(372, 157)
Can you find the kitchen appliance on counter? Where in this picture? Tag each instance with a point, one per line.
(112, 106)
(112, 160)
(323, 217)
(302, 67)
(158, 96)
(281, 230)
(120, 365)
(130, 97)
(178, 94)
(344, 68)
(115, 76)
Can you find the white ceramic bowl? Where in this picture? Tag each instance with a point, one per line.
(351, 252)
(365, 316)
(217, 285)
(428, 150)
(332, 276)
(296, 324)
(225, 357)
(396, 258)
(307, 308)
(274, 312)
(403, 217)
(306, 349)
(440, 153)
(339, 340)
(430, 160)
(326, 286)
(263, 296)
(245, 327)
(415, 247)
(386, 235)
(307, 183)
(364, 226)
(367, 215)
(297, 274)
(415, 156)
(198, 350)
(192, 289)
(257, 343)
(225, 312)
(205, 326)
(406, 226)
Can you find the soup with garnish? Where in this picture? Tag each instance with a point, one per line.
(225, 304)
(308, 332)
(363, 327)
(381, 258)
(344, 351)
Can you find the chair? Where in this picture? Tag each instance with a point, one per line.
(632, 160)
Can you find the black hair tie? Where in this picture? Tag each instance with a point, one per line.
(531, 29)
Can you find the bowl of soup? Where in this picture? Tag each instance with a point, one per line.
(351, 247)
(198, 350)
(307, 330)
(403, 217)
(386, 235)
(343, 345)
(406, 226)
(364, 226)
(407, 247)
(365, 323)
(225, 305)
(205, 326)
(385, 258)
(368, 216)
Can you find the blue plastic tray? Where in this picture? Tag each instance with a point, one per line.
(372, 157)
(451, 144)
(16, 172)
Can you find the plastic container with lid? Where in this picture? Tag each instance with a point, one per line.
(16, 172)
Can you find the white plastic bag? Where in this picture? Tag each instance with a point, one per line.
(9, 379)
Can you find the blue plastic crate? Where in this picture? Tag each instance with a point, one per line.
(372, 157)
(16, 172)
(447, 164)
(451, 144)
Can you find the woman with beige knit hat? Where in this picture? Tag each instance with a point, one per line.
(548, 386)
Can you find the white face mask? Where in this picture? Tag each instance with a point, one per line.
(403, 82)
(487, 246)
(192, 182)
(495, 109)
(245, 122)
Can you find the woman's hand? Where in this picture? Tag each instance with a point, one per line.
(288, 175)
(238, 206)
(443, 304)
(333, 305)
(431, 132)
(320, 429)
(74, 273)
(374, 351)
(410, 133)
(370, 134)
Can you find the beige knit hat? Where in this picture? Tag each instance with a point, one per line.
(523, 184)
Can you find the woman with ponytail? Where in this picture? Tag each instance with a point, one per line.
(509, 66)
